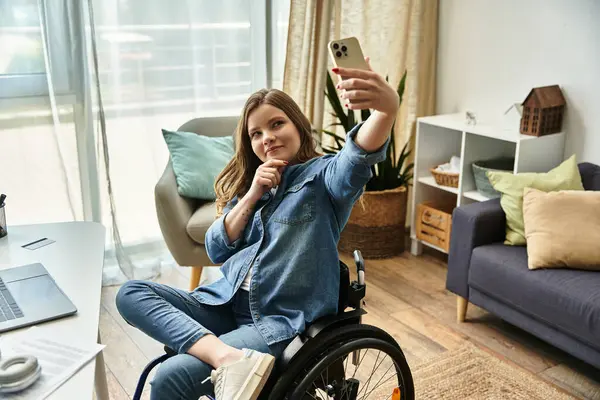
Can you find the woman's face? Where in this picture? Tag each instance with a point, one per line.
(272, 134)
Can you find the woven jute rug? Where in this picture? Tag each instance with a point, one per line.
(471, 373)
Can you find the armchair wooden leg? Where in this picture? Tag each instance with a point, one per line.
(461, 308)
(195, 277)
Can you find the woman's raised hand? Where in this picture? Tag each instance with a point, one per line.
(367, 90)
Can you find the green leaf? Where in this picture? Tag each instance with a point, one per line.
(338, 140)
(403, 155)
(364, 114)
(351, 122)
(333, 135)
(334, 124)
(393, 143)
(401, 87)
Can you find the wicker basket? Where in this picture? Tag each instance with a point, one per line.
(445, 178)
(376, 225)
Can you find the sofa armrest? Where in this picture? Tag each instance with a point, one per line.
(473, 225)
(174, 212)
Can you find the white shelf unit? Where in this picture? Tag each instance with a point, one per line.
(442, 136)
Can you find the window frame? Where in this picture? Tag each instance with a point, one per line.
(56, 55)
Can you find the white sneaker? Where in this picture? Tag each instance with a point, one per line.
(243, 379)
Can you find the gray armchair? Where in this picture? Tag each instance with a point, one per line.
(184, 221)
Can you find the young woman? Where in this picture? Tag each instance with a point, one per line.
(283, 207)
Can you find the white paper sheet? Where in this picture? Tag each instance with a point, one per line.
(60, 359)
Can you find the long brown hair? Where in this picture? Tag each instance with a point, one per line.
(236, 178)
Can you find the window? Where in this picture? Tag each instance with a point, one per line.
(202, 57)
(22, 53)
(206, 57)
(160, 64)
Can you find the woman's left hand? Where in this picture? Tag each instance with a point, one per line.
(367, 89)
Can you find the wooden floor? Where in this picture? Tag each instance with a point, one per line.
(406, 296)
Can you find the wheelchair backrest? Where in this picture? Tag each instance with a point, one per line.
(344, 287)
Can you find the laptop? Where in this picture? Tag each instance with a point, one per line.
(29, 295)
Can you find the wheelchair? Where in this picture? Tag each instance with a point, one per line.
(337, 357)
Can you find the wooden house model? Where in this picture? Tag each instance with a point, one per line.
(543, 111)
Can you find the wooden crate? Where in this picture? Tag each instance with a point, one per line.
(434, 224)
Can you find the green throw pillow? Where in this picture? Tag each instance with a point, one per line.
(197, 161)
(564, 177)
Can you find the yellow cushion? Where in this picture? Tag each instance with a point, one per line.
(564, 177)
(562, 229)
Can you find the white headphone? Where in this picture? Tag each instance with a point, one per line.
(24, 372)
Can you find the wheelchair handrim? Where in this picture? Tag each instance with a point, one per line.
(346, 349)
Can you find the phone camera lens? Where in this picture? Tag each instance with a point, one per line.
(338, 53)
(344, 48)
(336, 46)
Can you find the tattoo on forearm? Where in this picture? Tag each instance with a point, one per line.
(246, 214)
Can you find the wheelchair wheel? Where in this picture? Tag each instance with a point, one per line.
(354, 362)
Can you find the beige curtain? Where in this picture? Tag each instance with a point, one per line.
(398, 35)
(306, 55)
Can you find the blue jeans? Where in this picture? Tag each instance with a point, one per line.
(175, 318)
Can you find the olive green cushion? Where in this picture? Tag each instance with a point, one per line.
(511, 186)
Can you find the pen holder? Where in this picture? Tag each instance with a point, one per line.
(3, 230)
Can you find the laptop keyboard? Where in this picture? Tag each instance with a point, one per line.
(8, 307)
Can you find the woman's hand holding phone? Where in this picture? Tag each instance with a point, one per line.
(360, 87)
(367, 90)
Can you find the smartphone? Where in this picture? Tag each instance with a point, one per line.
(346, 53)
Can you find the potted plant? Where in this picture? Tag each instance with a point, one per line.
(377, 222)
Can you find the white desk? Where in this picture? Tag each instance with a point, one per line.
(75, 262)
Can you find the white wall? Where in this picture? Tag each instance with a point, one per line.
(492, 52)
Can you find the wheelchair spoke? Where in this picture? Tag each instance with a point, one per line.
(375, 366)
(377, 384)
(379, 370)
(346, 365)
(365, 389)
(360, 360)
(316, 389)
(311, 395)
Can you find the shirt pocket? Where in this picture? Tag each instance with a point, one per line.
(298, 204)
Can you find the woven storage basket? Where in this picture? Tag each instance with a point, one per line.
(445, 178)
(376, 225)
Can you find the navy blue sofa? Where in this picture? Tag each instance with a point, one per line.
(560, 306)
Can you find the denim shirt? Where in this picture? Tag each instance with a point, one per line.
(291, 241)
